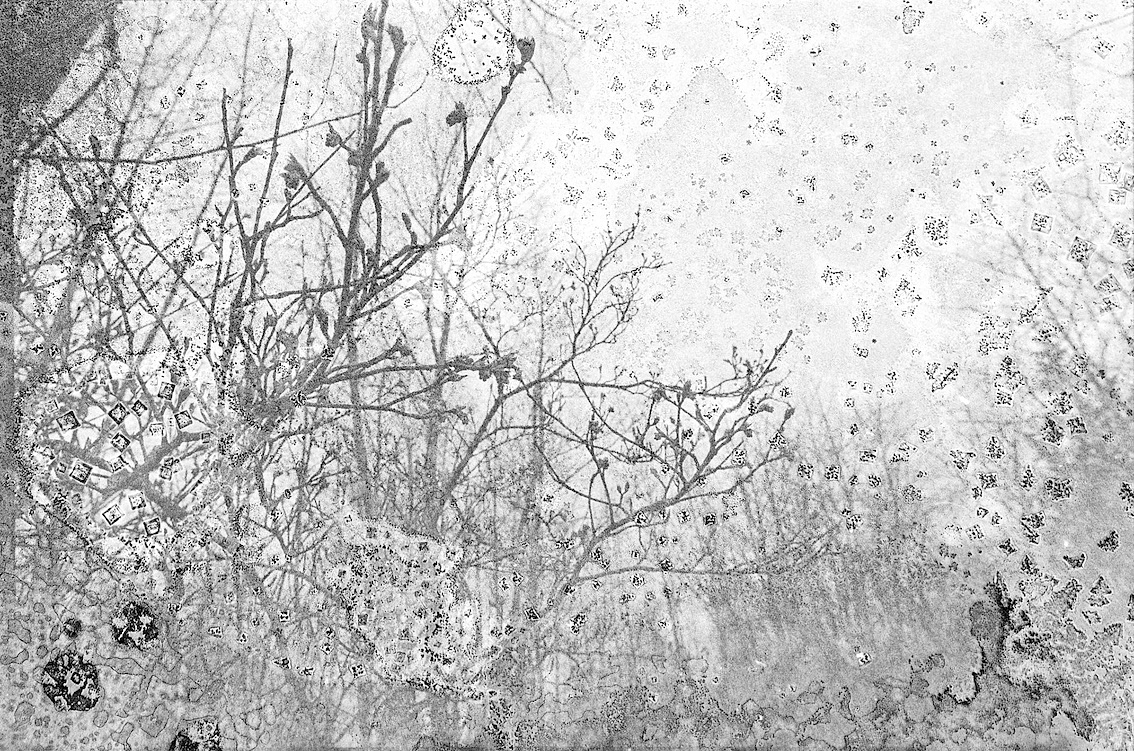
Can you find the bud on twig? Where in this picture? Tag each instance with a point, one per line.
(409, 228)
(249, 155)
(369, 24)
(397, 37)
(457, 116)
(293, 175)
(527, 50)
(381, 174)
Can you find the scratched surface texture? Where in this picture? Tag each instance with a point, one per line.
(542, 374)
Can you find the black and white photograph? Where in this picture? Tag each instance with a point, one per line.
(567, 375)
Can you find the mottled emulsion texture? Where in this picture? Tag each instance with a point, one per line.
(503, 374)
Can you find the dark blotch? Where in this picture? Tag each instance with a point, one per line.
(71, 682)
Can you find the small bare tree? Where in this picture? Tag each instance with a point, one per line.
(250, 402)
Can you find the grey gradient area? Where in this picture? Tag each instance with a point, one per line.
(517, 374)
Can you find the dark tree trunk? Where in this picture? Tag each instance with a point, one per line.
(39, 41)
